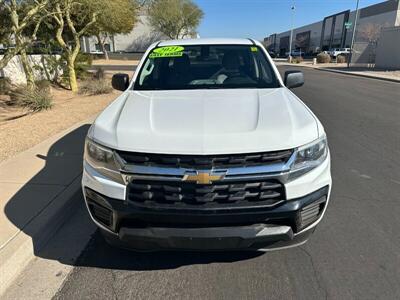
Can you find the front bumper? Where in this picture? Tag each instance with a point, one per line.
(255, 237)
(128, 226)
(288, 224)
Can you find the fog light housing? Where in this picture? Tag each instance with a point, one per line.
(100, 209)
(310, 213)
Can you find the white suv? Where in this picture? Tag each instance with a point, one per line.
(207, 148)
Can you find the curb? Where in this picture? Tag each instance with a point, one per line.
(344, 72)
(19, 251)
(16, 255)
(359, 75)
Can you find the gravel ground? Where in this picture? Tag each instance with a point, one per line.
(115, 62)
(22, 133)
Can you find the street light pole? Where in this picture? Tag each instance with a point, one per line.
(353, 36)
(293, 8)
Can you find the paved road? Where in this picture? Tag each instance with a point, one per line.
(354, 254)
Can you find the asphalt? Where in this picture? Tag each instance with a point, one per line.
(354, 253)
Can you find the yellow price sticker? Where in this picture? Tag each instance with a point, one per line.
(169, 51)
(254, 49)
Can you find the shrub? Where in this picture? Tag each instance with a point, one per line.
(323, 58)
(298, 60)
(82, 64)
(341, 59)
(43, 84)
(5, 85)
(95, 87)
(34, 99)
(99, 73)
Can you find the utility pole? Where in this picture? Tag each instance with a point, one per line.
(293, 8)
(353, 36)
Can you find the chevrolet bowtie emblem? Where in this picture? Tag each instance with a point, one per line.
(203, 177)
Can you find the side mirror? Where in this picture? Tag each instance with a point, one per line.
(293, 79)
(120, 81)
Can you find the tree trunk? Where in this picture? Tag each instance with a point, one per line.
(73, 83)
(102, 46)
(30, 78)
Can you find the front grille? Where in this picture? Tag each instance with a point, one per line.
(264, 193)
(205, 161)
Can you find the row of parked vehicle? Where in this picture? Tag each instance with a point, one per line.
(334, 52)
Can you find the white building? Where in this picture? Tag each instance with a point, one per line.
(331, 32)
(136, 41)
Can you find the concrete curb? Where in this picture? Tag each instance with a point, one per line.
(345, 72)
(359, 75)
(16, 255)
(20, 250)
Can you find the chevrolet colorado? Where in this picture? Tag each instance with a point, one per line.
(206, 149)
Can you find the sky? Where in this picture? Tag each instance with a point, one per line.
(260, 18)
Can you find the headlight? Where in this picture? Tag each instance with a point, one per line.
(309, 157)
(102, 159)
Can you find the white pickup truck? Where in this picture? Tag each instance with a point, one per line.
(207, 148)
(339, 51)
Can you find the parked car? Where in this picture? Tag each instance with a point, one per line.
(296, 53)
(97, 52)
(339, 51)
(210, 154)
(273, 54)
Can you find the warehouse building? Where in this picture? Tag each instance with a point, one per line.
(336, 31)
(137, 40)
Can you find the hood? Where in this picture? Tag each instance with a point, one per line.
(206, 121)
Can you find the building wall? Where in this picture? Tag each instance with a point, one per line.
(372, 20)
(381, 15)
(388, 49)
(141, 37)
(315, 36)
(137, 40)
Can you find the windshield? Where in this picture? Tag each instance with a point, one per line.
(206, 66)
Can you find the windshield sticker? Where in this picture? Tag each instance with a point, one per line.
(254, 49)
(171, 51)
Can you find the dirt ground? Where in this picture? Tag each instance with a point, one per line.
(20, 130)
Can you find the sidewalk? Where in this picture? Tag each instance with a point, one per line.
(35, 191)
(393, 76)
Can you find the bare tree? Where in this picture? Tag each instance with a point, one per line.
(371, 32)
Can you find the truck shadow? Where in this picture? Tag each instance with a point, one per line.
(64, 161)
(101, 255)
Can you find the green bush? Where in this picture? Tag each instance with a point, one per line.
(297, 60)
(95, 87)
(43, 84)
(34, 99)
(5, 85)
(323, 58)
(100, 74)
(82, 64)
(341, 59)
